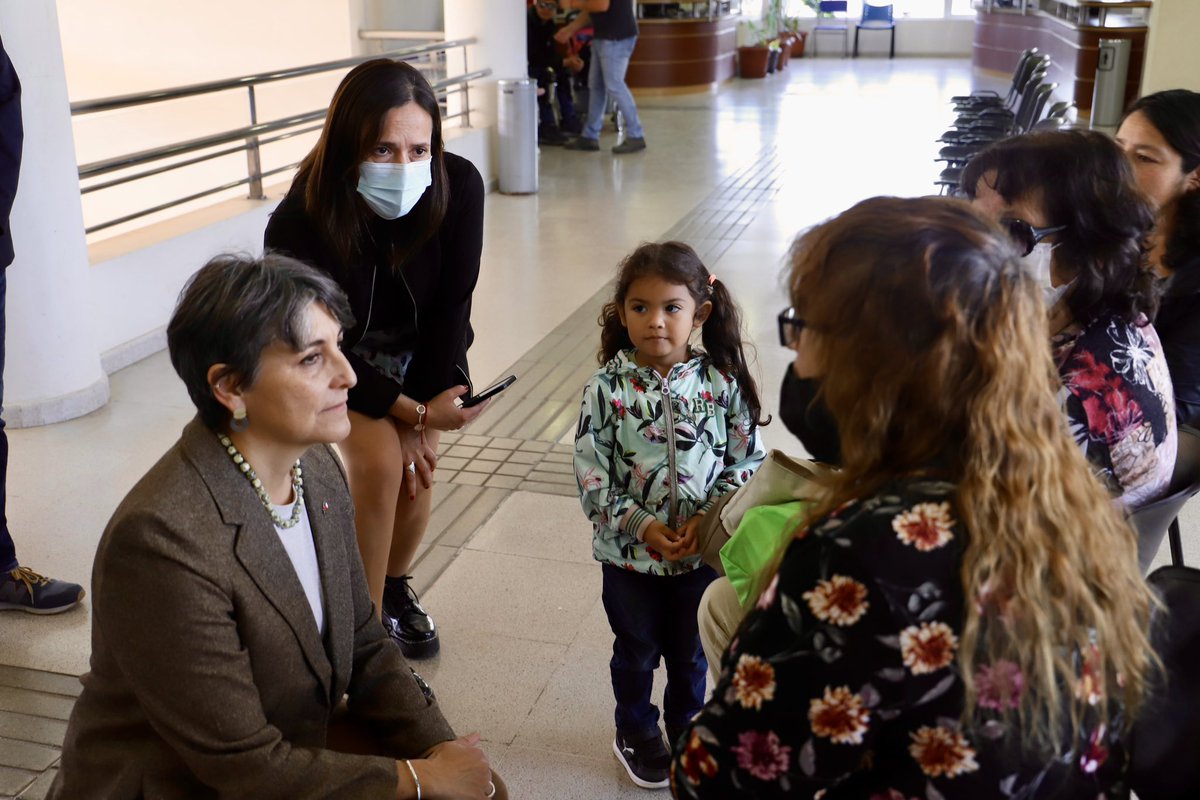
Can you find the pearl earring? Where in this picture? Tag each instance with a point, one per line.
(239, 422)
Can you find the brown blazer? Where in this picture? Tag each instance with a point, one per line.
(208, 676)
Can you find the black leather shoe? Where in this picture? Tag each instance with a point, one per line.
(406, 621)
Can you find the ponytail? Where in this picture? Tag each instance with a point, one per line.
(722, 338)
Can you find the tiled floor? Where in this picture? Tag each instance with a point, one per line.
(506, 566)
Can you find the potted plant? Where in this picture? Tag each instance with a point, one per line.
(799, 37)
(773, 51)
(753, 59)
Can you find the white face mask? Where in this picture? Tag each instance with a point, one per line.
(391, 190)
(1038, 263)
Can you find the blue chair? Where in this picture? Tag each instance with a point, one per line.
(831, 18)
(876, 18)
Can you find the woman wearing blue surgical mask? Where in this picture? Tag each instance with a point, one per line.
(1070, 204)
(381, 207)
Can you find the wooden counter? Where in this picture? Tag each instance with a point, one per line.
(683, 54)
(1001, 35)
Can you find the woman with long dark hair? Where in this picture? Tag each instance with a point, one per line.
(382, 207)
(1160, 134)
(962, 616)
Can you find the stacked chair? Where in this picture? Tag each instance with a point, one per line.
(986, 117)
(1163, 765)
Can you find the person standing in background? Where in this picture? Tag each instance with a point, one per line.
(553, 71)
(616, 36)
(20, 587)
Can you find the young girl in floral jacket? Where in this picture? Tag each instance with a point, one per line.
(663, 432)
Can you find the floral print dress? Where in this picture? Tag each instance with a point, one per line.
(1120, 404)
(842, 682)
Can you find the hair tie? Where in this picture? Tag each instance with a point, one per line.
(712, 279)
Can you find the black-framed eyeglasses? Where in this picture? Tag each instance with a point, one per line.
(790, 325)
(546, 5)
(1025, 235)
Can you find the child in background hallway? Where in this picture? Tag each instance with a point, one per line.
(663, 432)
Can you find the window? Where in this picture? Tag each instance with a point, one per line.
(910, 9)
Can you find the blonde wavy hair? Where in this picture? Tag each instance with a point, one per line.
(933, 346)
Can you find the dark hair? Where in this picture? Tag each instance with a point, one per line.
(233, 308)
(677, 263)
(1175, 113)
(328, 175)
(1083, 181)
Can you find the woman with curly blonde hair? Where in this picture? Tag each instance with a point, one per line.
(962, 616)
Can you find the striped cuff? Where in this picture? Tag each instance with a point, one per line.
(706, 506)
(636, 521)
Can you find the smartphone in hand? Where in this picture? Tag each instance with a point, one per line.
(491, 391)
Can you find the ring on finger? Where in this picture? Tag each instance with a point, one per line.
(412, 468)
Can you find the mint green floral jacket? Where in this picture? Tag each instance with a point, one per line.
(649, 448)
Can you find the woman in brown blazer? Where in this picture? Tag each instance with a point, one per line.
(234, 642)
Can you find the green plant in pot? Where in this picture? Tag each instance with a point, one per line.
(799, 37)
(753, 58)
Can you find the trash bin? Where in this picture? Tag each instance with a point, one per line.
(518, 168)
(1108, 96)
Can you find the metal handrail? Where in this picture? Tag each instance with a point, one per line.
(252, 136)
(190, 90)
(108, 165)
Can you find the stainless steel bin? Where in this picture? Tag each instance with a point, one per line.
(1108, 96)
(517, 118)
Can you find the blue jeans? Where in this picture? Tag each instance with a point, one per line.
(8, 550)
(606, 77)
(652, 617)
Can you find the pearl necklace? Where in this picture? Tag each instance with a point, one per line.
(297, 484)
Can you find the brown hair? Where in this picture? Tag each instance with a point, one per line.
(328, 175)
(1084, 182)
(932, 343)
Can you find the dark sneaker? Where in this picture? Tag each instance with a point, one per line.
(406, 622)
(552, 137)
(647, 761)
(632, 144)
(673, 736)
(25, 590)
(583, 143)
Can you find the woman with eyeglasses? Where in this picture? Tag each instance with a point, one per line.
(1161, 136)
(1069, 201)
(962, 616)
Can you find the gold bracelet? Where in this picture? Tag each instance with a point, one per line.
(412, 771)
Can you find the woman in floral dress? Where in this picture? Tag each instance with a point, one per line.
(1070, 200)
(963, 616)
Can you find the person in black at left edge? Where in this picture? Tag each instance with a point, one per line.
(20, 587)
(548, 66)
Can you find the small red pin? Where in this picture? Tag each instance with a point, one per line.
(324, 507)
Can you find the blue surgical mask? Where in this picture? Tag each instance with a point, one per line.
(391, 190)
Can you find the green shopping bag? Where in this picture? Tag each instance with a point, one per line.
(763, 532)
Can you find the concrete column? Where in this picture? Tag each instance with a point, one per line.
(52, 371)
(1172, 59)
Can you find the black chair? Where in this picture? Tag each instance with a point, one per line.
(1163, 763)
(984, 98)
(876, 18)
(1159, 518)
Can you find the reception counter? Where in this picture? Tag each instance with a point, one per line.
(1069, 31)
(683, 55)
